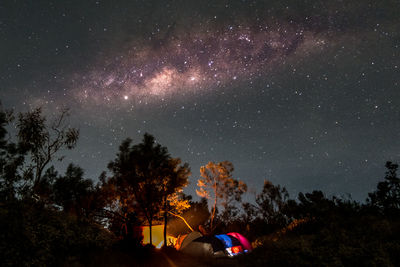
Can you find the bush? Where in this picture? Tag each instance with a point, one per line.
(34, 235)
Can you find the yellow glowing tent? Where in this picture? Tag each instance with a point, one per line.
(157, 236)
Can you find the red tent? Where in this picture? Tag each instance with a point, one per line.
(243, 240)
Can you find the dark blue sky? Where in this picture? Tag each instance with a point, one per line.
(303, 94)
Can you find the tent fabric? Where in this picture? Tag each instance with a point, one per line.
(204, 246)
(243, 241)
(179, 241)
(232, 245)
(189, 238)
(196, 244)
(198, 249)
(226, 240)
(216, 244)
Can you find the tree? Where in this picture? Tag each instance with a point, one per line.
(42, 142)
(192, 218)
(270, 203)
(73, 192)
(175, 179)
(11, 161)
(144, 176)
(312, 206)
(387, 195)
(175, 204)
(218, 185)
(249, 214)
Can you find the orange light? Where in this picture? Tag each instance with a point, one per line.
(236, 249)
(157, 236)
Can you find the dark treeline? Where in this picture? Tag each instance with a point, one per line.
(48, 218)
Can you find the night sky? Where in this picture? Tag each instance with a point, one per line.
(303, 93)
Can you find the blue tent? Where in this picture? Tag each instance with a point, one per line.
(232, 245)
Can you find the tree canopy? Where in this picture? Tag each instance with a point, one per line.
(144, 176)
(42, 141)
(217, 184)
(387, 195)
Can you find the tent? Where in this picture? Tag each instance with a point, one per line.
(232, 245)
(157, 236)
(184, 240)
(212, 246)
(205, 246)
(243, 241)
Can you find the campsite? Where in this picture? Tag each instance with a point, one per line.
(138, 215)
(196, 133)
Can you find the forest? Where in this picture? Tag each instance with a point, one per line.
(62, 219)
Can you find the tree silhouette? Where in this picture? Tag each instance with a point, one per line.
(218, 185)
(387, 195)
(144, 175)
(11, 161)
(43, 141)
(270, 203)
(73, 192)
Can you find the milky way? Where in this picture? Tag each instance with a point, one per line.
(196, 61)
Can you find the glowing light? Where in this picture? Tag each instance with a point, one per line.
(126, 97)
(157, 236)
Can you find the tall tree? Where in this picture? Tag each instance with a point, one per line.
(144, 175)
(43, 141)
(217, 184)
(175, 179)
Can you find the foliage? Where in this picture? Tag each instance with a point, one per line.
(43, 141)
(357, 240)
(174, 180)
(75, 194)
(176, 205)
(270, 203)
(61, 224)
(11, 162)
(387, 196)
(196, 215)
(216, 183)
(144, 176)
(33, 235)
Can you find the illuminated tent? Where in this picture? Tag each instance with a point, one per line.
(243, 241)
(184, 240)
(205, 246)
(232, 245)
(157, 236)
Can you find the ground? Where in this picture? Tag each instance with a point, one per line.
(155, 257)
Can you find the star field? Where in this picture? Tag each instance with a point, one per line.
(182, 63)
(303, 94)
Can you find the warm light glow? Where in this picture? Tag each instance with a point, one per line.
(237, 249)
(157, 236)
